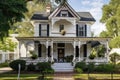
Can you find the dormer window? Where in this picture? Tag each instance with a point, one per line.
(61, 27)
(64, 13)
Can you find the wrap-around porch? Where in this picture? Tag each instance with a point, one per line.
(58, 49)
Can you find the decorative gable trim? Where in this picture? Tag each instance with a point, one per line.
(66, 6)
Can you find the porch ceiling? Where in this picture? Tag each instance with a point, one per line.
(64, 38)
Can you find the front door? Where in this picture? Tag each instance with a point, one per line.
(60, 55)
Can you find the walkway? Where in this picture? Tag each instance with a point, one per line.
(5, 69)
(63, 76)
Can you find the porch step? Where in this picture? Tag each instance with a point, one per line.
(63, 67)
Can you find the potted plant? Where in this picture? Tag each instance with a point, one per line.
(92, 54)
(33, 55)
(63, 32)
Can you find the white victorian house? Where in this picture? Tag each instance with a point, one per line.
(60, 33)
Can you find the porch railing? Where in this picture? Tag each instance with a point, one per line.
(35, 61)
(97, 59)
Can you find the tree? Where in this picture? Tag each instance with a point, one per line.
(25, 28)
(61, 2)
(8, 45)
(110, 17)
(11, 11)
(114, 57)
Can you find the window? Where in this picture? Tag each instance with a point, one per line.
(43, 29)
(82, 30)
(61, 28)
(64, 14)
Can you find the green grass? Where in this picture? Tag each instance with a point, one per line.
(23, 77)
(4, 64)
(97, 76)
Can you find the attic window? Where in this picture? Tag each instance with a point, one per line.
(64, 13)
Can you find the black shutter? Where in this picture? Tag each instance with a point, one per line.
(76, 29)
(49, 50)
(39, 29)
(39, 50)
(47, 29)
(85, 50)
(85, 30)
(77, 51)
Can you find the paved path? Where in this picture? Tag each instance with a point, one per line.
(5, 69)
(64, 76)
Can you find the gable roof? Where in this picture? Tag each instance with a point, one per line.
(82, 16)
(40, 16)
(86, 16)
(57, 10)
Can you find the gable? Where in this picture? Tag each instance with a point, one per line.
(64, 8)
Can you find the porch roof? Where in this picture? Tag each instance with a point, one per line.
(64, 38)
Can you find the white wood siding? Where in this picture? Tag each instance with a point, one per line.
(36, 29)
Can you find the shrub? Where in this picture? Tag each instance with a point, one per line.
(91, 67)
(14, 64)
(4, 64)
(104, 68)
(81, 65)
(78, 70)
(92, 54)
(31, 67)
(44, 67)
(34, 56)
(69, 58)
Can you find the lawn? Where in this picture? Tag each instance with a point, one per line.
(23, 77)
(97, 76)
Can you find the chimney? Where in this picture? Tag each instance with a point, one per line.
(48, 8)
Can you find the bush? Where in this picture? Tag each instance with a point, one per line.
(44, 67)
(14, 64)
(31, 67)
(78, 70)
(91, 67)
(34, 56)
(4, 64)
(69, 58)
(104, 68)
(81, 65)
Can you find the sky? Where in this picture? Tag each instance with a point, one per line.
(95, 8)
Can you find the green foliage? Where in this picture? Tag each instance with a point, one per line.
(115, 42)
(4, 64)
(110, 17)
(11, 11)
(114, 57)
(14, 64)
(91, 67)
(78, 70)
(104, 68)
(81, 65)
(31, 67)
(92, 54)
(33, 55)
(61, 2)
(44, 67)
(8, 45)
(101, 51)
(69, 58)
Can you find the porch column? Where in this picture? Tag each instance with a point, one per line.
(52, 51)
(20, 43)
(46, 51)
(26, 49)
(79, 45)
(107, 51)
(74, 53)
